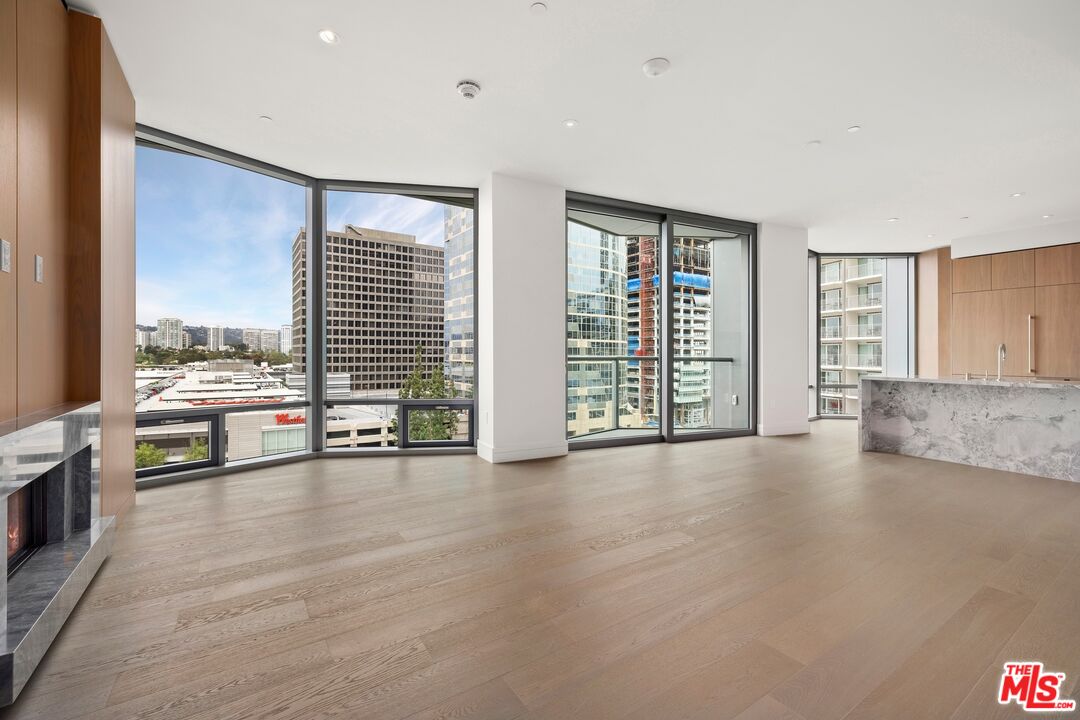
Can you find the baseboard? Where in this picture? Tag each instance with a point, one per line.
(800, 427)
(514, 454)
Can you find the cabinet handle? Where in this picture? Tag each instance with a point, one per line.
(1031, 343)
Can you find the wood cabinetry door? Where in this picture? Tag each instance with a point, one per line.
(982, 321)
(972, 274)
(1013, 270)
(1058, 265)
(1057, 331)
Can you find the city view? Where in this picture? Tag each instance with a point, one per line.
(399, 304)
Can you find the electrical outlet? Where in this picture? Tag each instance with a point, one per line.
(39, 269)
(5, 256)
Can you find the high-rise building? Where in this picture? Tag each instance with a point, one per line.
(143, 338)
(459, 325)
(215, 338)
(384, 297)
(269, 340)
(185, 339)
(852, 329)
(170, 333)
(285, 339)
(253, 339)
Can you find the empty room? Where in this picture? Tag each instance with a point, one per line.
(540, 360)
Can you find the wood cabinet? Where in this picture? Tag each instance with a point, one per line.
(1057, 265)
(982, 321)
(972, 274)
(1012, 270)
(1057, 331)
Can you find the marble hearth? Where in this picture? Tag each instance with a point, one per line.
(60, 449)
(1025, 427)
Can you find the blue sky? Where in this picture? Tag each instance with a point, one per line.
(214, 243)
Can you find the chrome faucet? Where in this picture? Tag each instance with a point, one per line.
(1001, 359)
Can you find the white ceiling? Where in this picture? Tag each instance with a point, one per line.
(962, 102)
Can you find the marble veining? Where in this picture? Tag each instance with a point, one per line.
(1025, 427)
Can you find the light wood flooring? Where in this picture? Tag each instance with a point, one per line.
(774, 578)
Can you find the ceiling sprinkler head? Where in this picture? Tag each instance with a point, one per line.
(468, 89)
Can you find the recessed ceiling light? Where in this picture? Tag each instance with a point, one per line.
(965, 218)
(656, 67)
(538, 8)
(570, 123)
(931, 235)
(893, 220)
(1015, 195)
(1047, 217)
(266, 118)
(854, 128)
(329, 37)
(814, 144)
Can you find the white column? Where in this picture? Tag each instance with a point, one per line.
(521, 323)
(782, 330)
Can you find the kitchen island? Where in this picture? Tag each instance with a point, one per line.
(1030, 427)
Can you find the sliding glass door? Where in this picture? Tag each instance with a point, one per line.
(659, 325)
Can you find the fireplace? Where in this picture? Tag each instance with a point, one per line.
(26, 523)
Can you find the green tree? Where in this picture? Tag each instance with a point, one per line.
(427, 424)
(147, 455)
(198, 451)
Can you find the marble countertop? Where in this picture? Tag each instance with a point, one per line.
(28, 420)
(1046, 384)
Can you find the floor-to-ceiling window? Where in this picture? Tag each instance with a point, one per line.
(399, 343)
(659, 324)
(865, 318)
(213, 335)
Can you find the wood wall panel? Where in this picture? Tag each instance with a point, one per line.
(972, 274)
(933, 313)
(103, 243)
(1058, 265)
(8, 210)
(1013, 270)
(42, 50)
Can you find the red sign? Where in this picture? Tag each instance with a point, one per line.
(1030, 687)
(287, 419)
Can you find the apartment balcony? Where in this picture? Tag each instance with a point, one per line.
(865, 269)
(831, 363)
(870, 361)
(831, 333)
(831, 305)
(862, 302)
(864, 332)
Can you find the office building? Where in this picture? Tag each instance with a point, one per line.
(170, 333)
(371, 335)
(635, 360)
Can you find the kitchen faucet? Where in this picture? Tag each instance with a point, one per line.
(1001, 359)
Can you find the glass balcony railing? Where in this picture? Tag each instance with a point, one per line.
(864, 331)
(830, 304)
(615, 396)
(865, 268)
(864, 300)
(830, 361)
(830, 332)
(868, 361)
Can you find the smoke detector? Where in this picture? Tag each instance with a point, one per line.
(468, 89)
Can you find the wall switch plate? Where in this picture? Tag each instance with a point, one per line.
(5, 256)
(39, 269)
(734, 399)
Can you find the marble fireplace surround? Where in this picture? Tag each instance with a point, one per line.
(63, 447)
(1030, 427)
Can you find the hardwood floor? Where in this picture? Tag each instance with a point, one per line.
(749, 577)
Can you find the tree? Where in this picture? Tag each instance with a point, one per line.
(147, 455)
(427, 424)
(198, 451)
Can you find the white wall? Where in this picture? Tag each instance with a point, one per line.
(521, 327)
(782, 330)
(1032, 237)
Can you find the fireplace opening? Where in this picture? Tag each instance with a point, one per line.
(26, 523)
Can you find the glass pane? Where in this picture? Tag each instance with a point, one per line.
(361, 426)
(613, 325)
(175, 443)
(265, 432)
(399, 297)
(711, 298)
(439, 424)
(215, 289)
